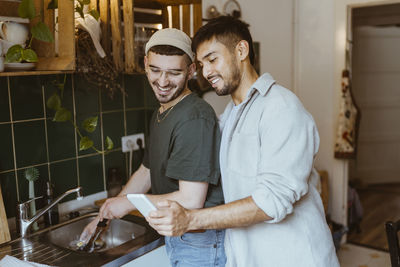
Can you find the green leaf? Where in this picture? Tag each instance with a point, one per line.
(85, 2)
(41, 32)
(109, 143)
(53, 4)
(29, 55)
(62, 114)
(26, 9)
(14, 54)
(54, 102)
(94, 14)
(85, 143)
(90, 124)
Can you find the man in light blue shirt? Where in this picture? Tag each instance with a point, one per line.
(273, 213)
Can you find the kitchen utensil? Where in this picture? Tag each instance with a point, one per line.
(91, 244)
(4, 231)
(32, 174)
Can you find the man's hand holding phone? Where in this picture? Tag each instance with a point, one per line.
(142, 203)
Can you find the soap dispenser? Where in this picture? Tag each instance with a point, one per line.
(51, 216)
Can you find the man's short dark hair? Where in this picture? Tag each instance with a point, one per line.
(227, 30)
(169, 50)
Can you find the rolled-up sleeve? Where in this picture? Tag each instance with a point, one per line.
(289, 140)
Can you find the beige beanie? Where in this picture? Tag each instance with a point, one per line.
(172, 37)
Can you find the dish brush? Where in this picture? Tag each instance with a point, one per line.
(32, 174)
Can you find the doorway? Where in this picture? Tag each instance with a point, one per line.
(375, 173)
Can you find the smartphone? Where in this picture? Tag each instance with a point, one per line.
(142, 203)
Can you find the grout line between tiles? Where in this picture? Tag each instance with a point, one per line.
(45, 134)
(125, 128)
(28, 120)
(75, 133)
(112, 111)
(13, 138)
(102, 140)
(20, 121)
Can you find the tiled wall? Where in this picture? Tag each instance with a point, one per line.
(29, 137)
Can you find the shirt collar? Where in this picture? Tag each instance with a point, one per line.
(262, 85)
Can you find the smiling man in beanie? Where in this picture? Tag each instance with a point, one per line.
(181, 158)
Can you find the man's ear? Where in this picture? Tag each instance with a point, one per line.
(242, 49)
(192, 70)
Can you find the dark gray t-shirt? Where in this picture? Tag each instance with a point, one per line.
(184, 145)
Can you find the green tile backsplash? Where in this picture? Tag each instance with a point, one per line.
(114, 126)
(30, 138)
(26, 97)
(61, 139)
(133, 98)
(6, 151)
(89, 172)
(4, 107)
(30, 143)
(64, 177)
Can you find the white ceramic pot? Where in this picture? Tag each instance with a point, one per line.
(13, 32)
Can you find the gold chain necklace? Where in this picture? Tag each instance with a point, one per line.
(169, 109)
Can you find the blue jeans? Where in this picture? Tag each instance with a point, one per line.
(197, 249)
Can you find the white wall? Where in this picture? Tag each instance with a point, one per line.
(316, 83)
(271, 24)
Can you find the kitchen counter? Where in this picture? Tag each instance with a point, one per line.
(38, 248)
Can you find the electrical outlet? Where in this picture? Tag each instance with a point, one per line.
(130, 142)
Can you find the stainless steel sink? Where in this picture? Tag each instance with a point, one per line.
(119, 232)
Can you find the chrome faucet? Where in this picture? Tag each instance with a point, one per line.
(23, 208)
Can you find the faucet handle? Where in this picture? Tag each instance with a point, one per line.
(23, 208)
(21, 205)
(32, 199)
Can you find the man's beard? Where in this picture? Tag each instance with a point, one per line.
(177, 93)
(174, 96)
(232, 83)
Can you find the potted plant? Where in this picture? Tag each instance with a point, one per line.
(40, 31)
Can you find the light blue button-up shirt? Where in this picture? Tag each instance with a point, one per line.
(267, 151)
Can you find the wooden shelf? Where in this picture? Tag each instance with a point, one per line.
(33, 72)
(50, 61)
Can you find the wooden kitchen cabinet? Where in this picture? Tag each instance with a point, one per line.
(53, 57)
